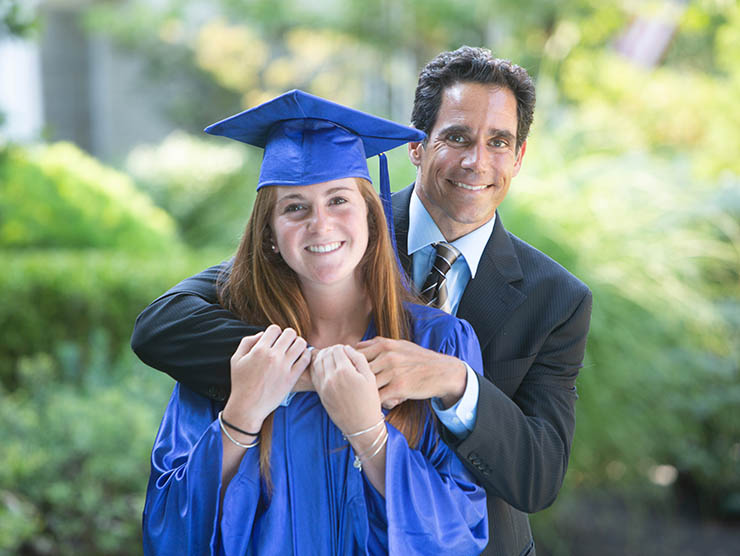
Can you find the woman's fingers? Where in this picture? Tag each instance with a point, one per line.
(285, 340)
(359, 362)
(276, 348)
(338, 358)
(319, 362)
(301, 364)
(295, 349)
(263, 339)
(245, 346)
(324, 366)
(325, 362)
(332, 362)
(346, 387)
(272, 333)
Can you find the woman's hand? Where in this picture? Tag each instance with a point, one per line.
(347, 388)
(264, 368)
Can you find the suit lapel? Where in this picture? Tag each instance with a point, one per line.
(400, 202)
(490, 297)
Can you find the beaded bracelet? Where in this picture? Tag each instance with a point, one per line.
(240, 444)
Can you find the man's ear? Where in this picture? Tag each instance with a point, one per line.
(519, 158)
(415, 153)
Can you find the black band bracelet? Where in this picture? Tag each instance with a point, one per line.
(237, 429)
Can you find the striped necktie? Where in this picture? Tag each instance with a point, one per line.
(434, 292)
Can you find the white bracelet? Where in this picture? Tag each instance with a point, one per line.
(375, 426)
(240, 444)
(375, 443)
(357, 463)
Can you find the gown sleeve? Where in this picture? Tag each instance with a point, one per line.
(181, 512)
(432, 504)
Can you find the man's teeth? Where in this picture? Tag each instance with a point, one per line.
(324, 248)
(470, 187)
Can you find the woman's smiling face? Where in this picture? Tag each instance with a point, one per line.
(321, 230)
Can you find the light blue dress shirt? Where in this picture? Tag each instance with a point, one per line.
(423, 232)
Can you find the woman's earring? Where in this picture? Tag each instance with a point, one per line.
(273, 247)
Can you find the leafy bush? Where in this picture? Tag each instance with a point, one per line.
(659, 249)
(57, 196)
(47, 297)
(75, 458)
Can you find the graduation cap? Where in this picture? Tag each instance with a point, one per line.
(308, 140)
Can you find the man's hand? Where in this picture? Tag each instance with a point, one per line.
(406, 371)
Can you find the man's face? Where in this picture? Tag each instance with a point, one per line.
(465, 168)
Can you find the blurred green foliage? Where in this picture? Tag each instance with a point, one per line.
(519, 31)
(76, 451)
(663, 110)
(49, 296)
(83, 251)
(207, 186)
(17, 17)
(661, 252)
(58, 196)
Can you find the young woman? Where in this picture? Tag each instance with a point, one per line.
(281, 471)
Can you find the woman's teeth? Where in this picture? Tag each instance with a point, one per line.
(326, 248)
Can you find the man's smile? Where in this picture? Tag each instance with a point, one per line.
(469, 187)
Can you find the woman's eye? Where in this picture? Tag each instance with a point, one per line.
(337, 201)
(295, 207)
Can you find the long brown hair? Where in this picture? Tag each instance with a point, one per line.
(262, 289)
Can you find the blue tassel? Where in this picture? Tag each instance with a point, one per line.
(385, 197)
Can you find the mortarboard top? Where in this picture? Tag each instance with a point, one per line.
(308, 139)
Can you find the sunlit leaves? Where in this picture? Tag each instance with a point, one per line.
(663, 109)
(234, 54)
(207, 185)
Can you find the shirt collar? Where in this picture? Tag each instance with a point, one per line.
(423, 231)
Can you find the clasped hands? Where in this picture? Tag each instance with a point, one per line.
(352, 382)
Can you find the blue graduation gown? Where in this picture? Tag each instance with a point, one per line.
(320, 504)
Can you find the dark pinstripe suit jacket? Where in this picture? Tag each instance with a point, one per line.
(531, 317)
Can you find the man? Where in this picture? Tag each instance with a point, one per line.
(514, 427)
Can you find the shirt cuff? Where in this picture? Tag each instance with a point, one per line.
(460, 418)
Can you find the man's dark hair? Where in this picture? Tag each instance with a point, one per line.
(476, 65)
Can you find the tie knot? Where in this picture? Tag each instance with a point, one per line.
(448, 253)
(434, 291)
